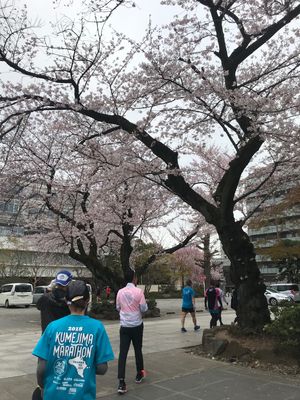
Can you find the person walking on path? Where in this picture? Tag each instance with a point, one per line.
(72, 350)
(52, 305)
(131, 304)
(188, 305)
(213, 302)
(223, 298)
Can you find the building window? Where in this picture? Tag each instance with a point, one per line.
(10, 206)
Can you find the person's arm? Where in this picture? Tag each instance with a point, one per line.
(101, 368)
(41, 371)
(104, 351)
(205, 302)
(220, 300)
(143, 304)
(193, 300)
(118, 305)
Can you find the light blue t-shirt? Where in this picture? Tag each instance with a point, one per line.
(73, 346)
(187, 297)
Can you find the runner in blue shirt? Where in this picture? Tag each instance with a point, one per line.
(72, 350)
(188, 305)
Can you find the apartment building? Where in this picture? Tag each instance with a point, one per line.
(20, 257)
(276, 220)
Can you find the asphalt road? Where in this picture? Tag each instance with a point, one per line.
(19, 319)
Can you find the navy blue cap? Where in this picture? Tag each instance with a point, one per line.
(63, 278)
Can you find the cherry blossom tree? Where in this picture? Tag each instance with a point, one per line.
(187, 261)
(88, 201)
(222, 70)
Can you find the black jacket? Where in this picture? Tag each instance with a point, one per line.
(51, 309)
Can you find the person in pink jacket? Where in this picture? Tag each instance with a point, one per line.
(213, 303)
(131, 304)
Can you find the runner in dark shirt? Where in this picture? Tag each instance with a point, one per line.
(53, 305)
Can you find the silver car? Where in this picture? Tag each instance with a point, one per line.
(291, 289)
(274, 297)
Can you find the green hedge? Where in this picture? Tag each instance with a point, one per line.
(107, 310)
(286, 327)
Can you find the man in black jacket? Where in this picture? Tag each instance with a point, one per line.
(53, 305)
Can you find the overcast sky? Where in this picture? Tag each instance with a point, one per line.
(132, 21)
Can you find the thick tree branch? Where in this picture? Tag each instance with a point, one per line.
(32, 74)
(226, 189)
(169, 250)
(238, 56)
(256, 188)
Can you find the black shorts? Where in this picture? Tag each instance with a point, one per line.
(188, 310)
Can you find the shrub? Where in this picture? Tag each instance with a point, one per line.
(151, 304)
(104, 310)
(286, 326)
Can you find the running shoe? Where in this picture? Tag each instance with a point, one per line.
(196, 328)
(122, 387)
(183, 330)
(140, 376)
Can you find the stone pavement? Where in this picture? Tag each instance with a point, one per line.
(178, 375)
(159, 335)
(172, 372)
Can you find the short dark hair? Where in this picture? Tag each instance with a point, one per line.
(189, 282)
(129, 275)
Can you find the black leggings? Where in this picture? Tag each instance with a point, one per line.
(127, 335)
(214, 319)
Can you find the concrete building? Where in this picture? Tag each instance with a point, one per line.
(277, 218)
(21, 258)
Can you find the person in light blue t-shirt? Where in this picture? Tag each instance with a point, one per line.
(72, 350)
(188, 305)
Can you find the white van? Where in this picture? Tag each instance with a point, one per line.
(16, 294)
(291, 289)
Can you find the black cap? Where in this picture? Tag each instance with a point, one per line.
(77, 290)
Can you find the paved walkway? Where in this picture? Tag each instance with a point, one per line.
(172, 372)
(178, 375)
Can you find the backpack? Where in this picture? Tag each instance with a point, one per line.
(211, 295)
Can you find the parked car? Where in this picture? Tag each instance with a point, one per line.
(291, 289)
(38, 292)
(274, 297)
(16, 294)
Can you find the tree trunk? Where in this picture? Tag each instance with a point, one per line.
(207, 259)
(125, 253)
(126, 247)
(252, 312)
(99, 271)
